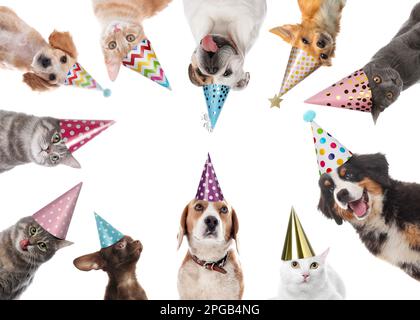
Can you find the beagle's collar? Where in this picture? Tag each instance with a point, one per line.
(217, 266)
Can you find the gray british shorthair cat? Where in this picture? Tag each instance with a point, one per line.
(26, 138)
(24, 247)
(395, 67)
(310, 279)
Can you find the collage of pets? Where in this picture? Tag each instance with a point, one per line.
(209, 150)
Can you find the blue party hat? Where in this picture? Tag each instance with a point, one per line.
(108, 235)
(215, 95)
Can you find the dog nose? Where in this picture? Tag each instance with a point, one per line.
(321, 44)
(343, 195)
(45, 62)
(211, 222)
(212, 70)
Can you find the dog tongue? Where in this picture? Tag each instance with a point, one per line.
(359, 207)
(208, 44)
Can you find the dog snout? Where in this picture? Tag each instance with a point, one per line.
(44, 61)
(211, 223)
(321, 44)
(212, 70)
(343, 196)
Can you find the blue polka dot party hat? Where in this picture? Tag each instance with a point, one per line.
(108, 235)
(215, 95)
(330, 152)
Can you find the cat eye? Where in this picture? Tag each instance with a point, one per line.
(131, 38)
(295, 264)
(56, 138)
(390, 95)
(198, 207)
(63, 59)
(323, 56)
(42, 246)
(228, 73)
(112, 45)
(377, 79)
(54, 158)
(224, 210)
(314, 265)
(52, 77)
(305, 41)
(32, 231)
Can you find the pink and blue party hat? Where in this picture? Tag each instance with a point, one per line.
(108, 235)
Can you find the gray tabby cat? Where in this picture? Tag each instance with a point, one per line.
(24, 247)
(26, 138)
(395, 67)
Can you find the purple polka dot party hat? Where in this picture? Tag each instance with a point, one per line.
(331, 154)
(209, 188)
(55, 217)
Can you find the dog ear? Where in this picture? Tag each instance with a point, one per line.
(36, 82)
(326, 206)
(235, 229)
(375, 166)
(198, 80)
(64, 42)
(243, 83)
(287, 32)
(182, 226)
(93, 261)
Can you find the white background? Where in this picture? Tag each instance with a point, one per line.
(140, 173)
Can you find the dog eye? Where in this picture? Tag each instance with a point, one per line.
(323, 56)
(52, 77)
(54, 158)
(228, 73)
(295, 264)
(348, 175)
(121, 245)
(305, 41)
(131, 38)
(112, 45)
(389, 95)
(198, 207)
(63, 59)
(314, 265)
(377, 79)
(224, 209)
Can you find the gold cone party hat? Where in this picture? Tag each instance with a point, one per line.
(296, 244)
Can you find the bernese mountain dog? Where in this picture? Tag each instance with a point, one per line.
(384, 212)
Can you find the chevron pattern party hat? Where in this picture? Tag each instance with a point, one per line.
(299, 67)
(209, 188)
(55, 217)
(76, 133)
(142, 59)
(79, 77)
(108, 235)
(296, 244)
(215, 95)
(331, 154)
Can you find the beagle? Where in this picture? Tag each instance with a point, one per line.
(211, 269)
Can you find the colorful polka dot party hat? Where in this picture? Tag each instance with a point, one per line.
(79, 77)
(296, 244)
(108, 235)
(55, 217)
(351, 93)
(209, 188)
(76, 133)
(143, 60)
(215, 95)
(299, 67)
(331, 154)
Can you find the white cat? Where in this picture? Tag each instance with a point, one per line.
(310, 279)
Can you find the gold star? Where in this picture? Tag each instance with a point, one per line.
(275, 101)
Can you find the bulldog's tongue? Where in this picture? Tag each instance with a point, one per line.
(359, 207)
(208, 44)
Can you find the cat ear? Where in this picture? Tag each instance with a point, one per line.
(63, 243)
(182, 226)
(88, 262)
(71, 161)
(324, 255)
(113, 68)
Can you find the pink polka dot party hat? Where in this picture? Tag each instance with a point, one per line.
(76, 133)
(331, 154)
(209, 188)
(352, 92)
(55, 217)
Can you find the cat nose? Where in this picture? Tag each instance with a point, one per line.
(305, 275)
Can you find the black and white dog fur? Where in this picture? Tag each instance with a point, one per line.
(384, 212)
